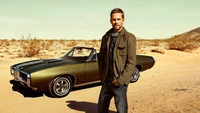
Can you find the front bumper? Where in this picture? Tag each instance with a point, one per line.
(21, 76)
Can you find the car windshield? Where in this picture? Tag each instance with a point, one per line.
(78, 53)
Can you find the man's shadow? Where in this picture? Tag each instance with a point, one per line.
(87, 107)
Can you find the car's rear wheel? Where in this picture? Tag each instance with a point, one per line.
(135, 76)
(60, 86)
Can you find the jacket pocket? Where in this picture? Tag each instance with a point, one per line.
(122, 49)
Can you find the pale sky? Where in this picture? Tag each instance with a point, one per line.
(90, 19)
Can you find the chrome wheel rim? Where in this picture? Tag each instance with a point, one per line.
(62, 86)
(135, 75)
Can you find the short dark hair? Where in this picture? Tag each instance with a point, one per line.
(117, 10)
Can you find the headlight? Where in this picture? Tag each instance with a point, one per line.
(12, 71)
(28, 76)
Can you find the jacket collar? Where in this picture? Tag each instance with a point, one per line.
(121, 35)
(122, 32)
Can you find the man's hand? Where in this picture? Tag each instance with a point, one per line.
(116, 83)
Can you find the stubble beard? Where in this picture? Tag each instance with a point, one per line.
(117, 28)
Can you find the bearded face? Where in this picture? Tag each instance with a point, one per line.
(117, 21)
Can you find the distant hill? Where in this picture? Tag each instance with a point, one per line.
(196, 30)
(193, 35)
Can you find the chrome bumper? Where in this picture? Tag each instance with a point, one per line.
(20, 76)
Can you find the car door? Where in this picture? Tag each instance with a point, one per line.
(92, 71)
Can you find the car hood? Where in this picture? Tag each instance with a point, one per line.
(36, 65)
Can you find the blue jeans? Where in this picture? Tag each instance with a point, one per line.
(118, 92)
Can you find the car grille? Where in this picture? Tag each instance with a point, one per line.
(19, 76)
(23, 77)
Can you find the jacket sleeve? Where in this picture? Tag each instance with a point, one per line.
(101, 57)
(130, 60)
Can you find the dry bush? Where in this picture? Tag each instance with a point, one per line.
(4, 43)
(45, 44)
(62, 42)
(142, 45)
(154, 42)
(33, 47)
(71, 43)
(182, 44)
(13, 41)
(50, 45)
(157, 42)
(158, 50)
(30, 47)
(91, 43)
(95, 43)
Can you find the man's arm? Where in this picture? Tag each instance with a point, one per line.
(101, 57)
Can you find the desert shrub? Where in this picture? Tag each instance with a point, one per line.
(152, 42)
(4, 43)
(13, 40)
(62, 42)
(158, 50)
(30, 47)
(138, 47)
(184, 42)
(156, 42)
(45, 44)
(182, 45)
(95, 43)
(71, 43)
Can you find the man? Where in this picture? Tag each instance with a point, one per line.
(117, 59)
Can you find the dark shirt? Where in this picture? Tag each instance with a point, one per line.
(110, 74)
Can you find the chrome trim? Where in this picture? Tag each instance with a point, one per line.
(17, 76)
(21, 79)
(61, 86)
(29, 82)
(28, 75)
(83, 84)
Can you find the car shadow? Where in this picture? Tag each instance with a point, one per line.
(28, 92)
(25, 91)
(86, 107)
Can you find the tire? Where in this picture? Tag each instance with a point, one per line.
(135, 76)
(60, 86)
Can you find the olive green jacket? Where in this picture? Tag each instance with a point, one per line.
(124, 59)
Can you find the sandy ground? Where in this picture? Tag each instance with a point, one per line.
(171, 86)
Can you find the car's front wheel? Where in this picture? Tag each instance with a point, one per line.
(60, 86)
(135, 76)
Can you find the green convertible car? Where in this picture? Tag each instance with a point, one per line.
(77, 67)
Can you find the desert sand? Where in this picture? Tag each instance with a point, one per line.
(171, 86)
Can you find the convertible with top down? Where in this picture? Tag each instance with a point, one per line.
(77, 67)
